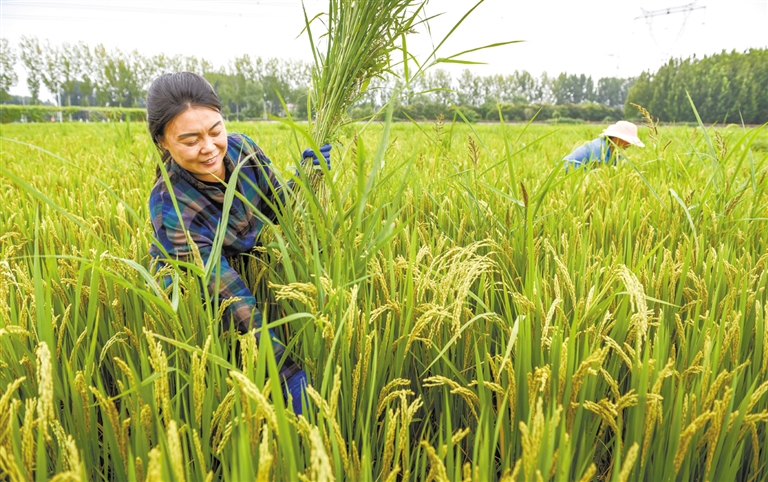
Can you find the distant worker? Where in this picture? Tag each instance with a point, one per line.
(605, 149)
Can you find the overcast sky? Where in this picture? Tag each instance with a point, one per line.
(598, 38)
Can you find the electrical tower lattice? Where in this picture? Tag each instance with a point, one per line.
(649, 15)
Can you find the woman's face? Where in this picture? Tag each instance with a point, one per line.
(197, 141)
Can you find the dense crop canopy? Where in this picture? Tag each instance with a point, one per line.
(465, 311)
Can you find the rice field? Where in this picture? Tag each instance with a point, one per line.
(465, 311)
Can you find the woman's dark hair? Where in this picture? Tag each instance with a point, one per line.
(170, 95)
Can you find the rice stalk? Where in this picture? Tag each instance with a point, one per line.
(360, 40)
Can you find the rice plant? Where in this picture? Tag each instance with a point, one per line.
(497, 319)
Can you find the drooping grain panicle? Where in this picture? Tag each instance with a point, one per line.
(649, 121)
(320, 463)
(45, 387)
(174, 449)
(159, 362)
(265, 456)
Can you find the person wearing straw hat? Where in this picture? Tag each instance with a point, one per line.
(605, 149)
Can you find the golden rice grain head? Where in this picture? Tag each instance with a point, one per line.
(617, 348)
(61, 442)
(341, 442)
(45, 389)
(81, 387)
(459, 435)
(335, 391)
(155, 466)
(757, 395)
(611, 383)
(532, 438)
(6, 402)
(28, 440)
(466, 472)
(226, 433)
(109, 410)
(159, 363)
(589, 474)
(605, 410)
(686, 436)
(437, 470)
(265, 457)
(10, 467)
(320, 463)
(198, 387)
(73, 457)
(383, 394)
(175, 451)
(389, 442)
(629, 462)
(494, 387)
(356, 374)
(407, 414)
(264, 407)
(14, 330)
(304, 293)
(138, 465)
(392, 476)
(221, 415)
(199, 450)
(125, 369)
(546, 340)
(712, 435)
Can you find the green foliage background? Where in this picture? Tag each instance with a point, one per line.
(729, 87)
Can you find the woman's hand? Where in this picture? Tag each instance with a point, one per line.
(324, 150)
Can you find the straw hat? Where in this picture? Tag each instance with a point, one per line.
(624, 130)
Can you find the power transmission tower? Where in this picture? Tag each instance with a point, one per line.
(649, 15)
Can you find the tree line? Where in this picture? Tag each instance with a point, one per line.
(729, 87)
(252, 87)
(78, 75)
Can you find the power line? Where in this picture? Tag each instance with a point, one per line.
(666, 11)
(649, 15)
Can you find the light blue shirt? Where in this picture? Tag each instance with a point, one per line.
(598, 150)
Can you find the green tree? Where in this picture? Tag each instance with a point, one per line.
(543, 90)
(32, 59)
(8, 76)
(162, 63)
(74, 64)
(278, 78)
(52, 69)
(612, 91)
(239, 95)
(121, 78)
(525, 86)
(86, 85)
(438, 82)
(503, 89)
(247, 95)
(725, 87)
(469, 89)
(573, 89)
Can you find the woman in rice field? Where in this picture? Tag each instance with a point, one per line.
(606, 148)
(185, 122)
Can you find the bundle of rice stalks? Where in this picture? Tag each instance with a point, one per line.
(360, 39)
